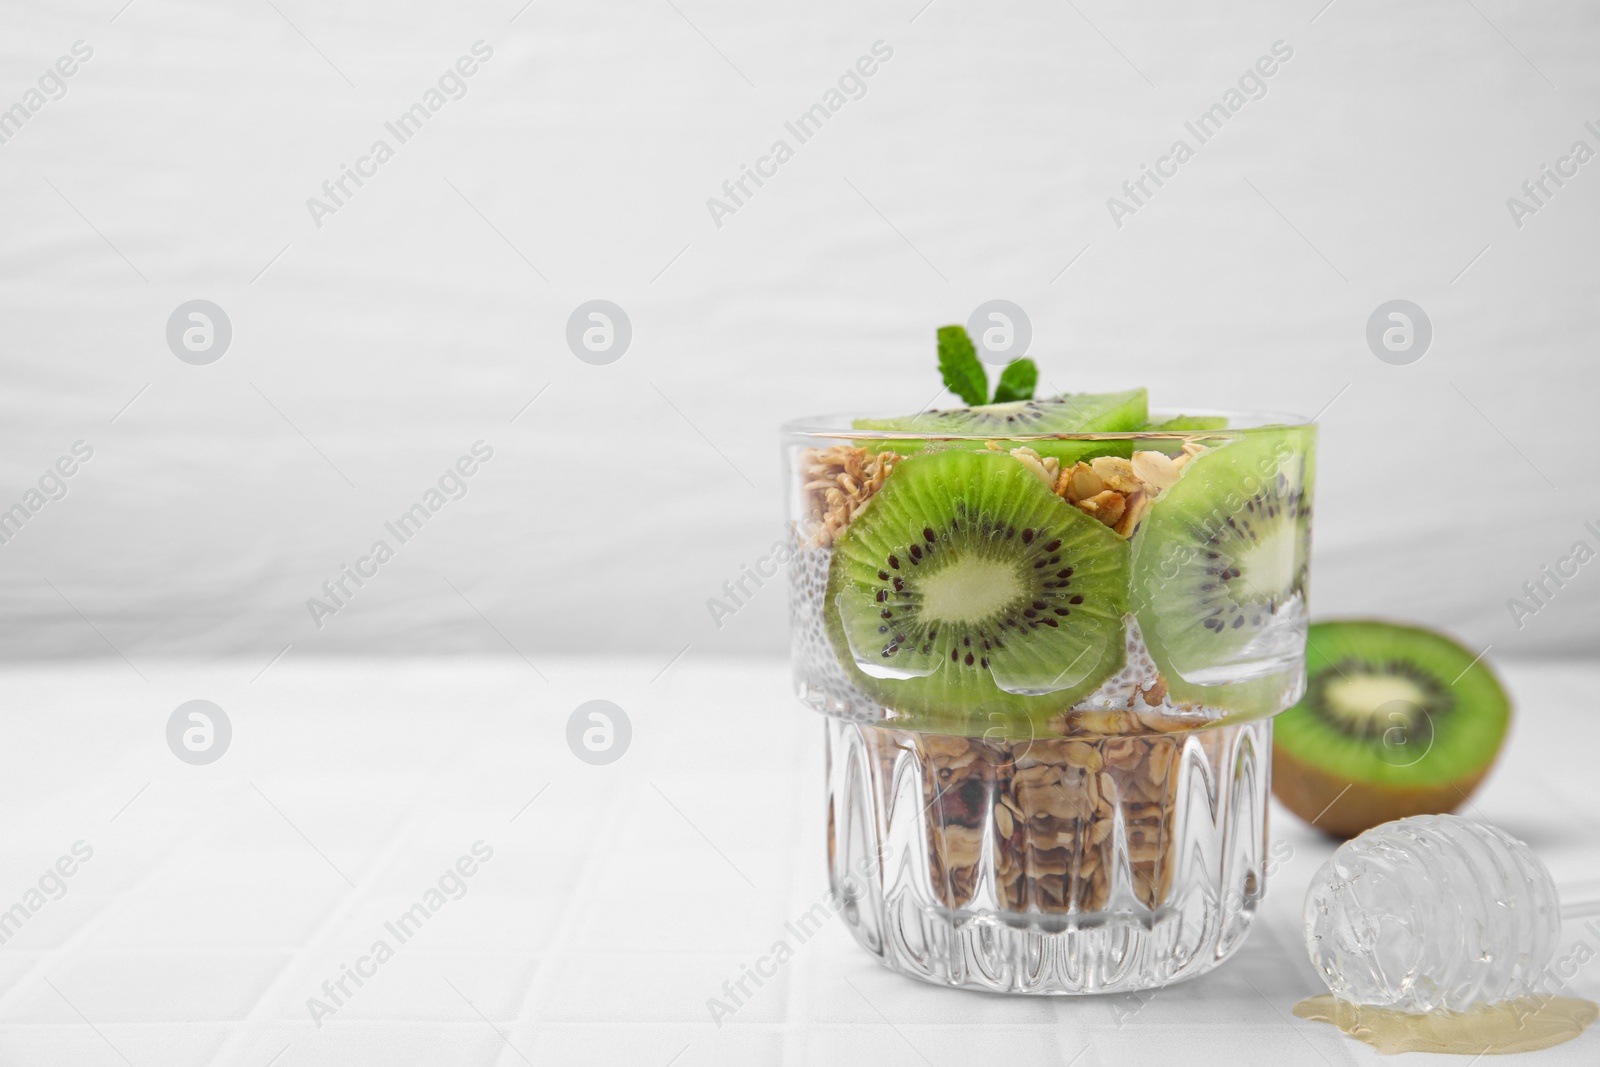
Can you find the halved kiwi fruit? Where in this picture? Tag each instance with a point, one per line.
(1220, 572)
(1069, 413)
(965, 592)
(1395, 721)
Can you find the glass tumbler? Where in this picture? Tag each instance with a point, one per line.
(1048, 666)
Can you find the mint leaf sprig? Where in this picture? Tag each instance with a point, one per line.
(1016, 381)
(964, 375)
(958, 363)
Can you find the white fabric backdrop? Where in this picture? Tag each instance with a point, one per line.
(372, 352)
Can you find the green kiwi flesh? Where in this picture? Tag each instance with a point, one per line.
(1219, 570)
(1187, 422)
(1394, 705)
(966, 593)
(1069, 413)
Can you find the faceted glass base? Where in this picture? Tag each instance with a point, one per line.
(1092, 865)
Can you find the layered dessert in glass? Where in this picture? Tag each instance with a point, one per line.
(1049, 637)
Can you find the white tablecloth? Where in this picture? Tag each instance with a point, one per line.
(618, 899)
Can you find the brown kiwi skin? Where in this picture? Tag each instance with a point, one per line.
(1322, 799)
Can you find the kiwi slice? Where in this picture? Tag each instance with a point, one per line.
(1069, 413)
(1188, 422)
(965, 592)
(1396, 721)
(1220, 572)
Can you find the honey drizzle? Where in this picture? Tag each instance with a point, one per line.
(1523, 1025)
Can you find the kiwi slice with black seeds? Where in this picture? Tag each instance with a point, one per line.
(1069, 413)
(1396, 721)
(966, 590)
(1220, 567)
